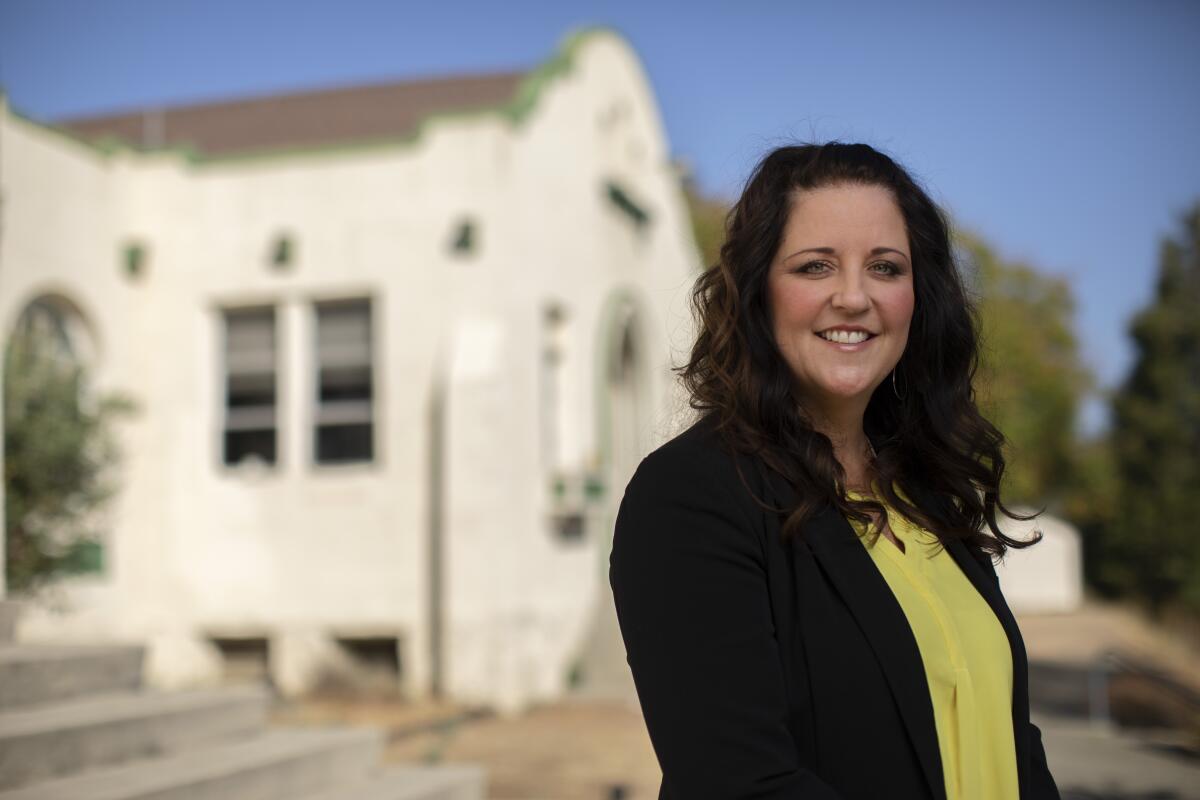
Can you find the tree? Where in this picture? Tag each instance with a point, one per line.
(1153, 548)
(708, 222)
(58, 453)
(1031, 379)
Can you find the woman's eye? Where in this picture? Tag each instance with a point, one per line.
(812, 267)
(887, 267)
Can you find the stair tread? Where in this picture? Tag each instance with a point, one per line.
(89, 710)
(401, 781)
(27, 652)
(198, 764)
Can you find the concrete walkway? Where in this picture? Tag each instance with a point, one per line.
(1097, 761)
(1090, 762)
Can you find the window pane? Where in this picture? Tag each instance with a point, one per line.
(343, 416)
(250, 392)
(248, 444)
(251, 389)
(345, 383)
(338, 443)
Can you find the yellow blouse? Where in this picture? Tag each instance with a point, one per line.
(968, 663)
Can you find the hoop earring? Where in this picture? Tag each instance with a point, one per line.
(896, 391)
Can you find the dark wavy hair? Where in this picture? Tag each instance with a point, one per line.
(929, 435)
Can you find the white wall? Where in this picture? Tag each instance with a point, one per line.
(299, 551)
(1047, 577)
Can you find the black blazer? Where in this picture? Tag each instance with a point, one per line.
(779, 671)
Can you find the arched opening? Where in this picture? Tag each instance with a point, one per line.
(623, 407)
(57, 328)
(54, 444)
(626, 393)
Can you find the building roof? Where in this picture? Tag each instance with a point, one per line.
(302, 120)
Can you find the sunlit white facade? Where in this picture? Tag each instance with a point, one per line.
(387, 391)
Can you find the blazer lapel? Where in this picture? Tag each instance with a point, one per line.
(870, 600)
(984, 580)
(982, 575)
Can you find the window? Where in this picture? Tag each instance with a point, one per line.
(344, 430)
(249, 385)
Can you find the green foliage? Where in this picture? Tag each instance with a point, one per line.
(1090, 501)
(1153, 548)
(57, 456)
(1031, 378)
(708, 223)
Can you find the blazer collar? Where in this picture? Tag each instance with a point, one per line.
(871, 602)
(874, 607)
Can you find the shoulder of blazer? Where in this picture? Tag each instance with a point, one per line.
(699, 454)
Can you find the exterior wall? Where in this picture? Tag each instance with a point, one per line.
(561, 234)
(58, 206)
(1047, 577)
(299, 552)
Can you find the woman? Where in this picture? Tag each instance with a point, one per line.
(803, 578)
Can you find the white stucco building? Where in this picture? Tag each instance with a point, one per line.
(395, 351)
(1045, 578)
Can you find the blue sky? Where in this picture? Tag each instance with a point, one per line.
(1066, 133)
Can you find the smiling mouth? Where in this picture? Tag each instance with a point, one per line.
(846, 337)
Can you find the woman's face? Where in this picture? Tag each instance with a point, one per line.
(841, 293)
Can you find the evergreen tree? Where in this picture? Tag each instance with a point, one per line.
(1153, 547)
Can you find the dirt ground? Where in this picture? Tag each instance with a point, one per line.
(585, 750)
(566, 751)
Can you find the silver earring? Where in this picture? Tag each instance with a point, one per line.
(897, 391)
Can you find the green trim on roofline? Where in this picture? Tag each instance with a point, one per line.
(516, 111)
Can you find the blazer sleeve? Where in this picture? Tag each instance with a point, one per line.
(1042, 782)
(690, 589)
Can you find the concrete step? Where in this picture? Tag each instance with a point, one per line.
(8, 620)
(40, 742)
(42, 673)
(281, 764)
(411, 782)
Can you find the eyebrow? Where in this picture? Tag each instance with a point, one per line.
(830, 251)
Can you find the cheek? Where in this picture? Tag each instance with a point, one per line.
(898, 308)
(780, 310)
(792, 306)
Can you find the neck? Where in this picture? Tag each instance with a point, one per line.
(851, 447)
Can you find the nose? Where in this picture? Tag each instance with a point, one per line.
(850, 293)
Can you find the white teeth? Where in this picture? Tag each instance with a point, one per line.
(844, 337)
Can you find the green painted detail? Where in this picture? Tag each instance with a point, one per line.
(622, 200)
(84, 557)
(283, 253)
(593, 487)
(135, 260)
(575, 674)
(464, 238)
(515, 111)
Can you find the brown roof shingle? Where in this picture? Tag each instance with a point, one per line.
(308, 119)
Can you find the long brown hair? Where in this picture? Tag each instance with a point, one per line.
(926, 429)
